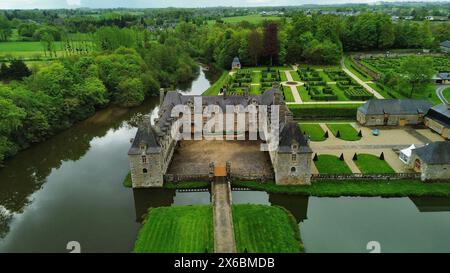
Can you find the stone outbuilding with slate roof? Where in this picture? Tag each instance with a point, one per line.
(236, 64)
(445, 46)
(392, 112)
(438, 119)
(153, 146)
(432, 161)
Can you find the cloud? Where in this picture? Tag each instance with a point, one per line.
(73, 2)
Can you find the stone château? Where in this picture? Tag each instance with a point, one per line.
(153, 146)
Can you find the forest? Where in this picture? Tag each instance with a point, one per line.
(93, 59)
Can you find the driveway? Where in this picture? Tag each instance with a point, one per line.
(440, 92)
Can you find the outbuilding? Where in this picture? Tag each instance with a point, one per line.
(392, 112)
(236, 64)
(432, 161)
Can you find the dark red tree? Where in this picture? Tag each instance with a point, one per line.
(271, 45)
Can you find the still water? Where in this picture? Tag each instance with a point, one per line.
(69, 188)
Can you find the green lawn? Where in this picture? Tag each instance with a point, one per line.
(330, 164)
(346, 131)
(314, 131)
(177, 229)
(265, 229)
(372, 164)
(446, 93)
(127, 181)
(330, 188)
(288, 96)
(295, 76)
(214, 89)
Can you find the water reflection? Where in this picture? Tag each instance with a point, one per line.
(296, 204)
(431, 204)
(200, 84)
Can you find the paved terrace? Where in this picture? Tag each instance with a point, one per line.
(388, 142)
(194, 156)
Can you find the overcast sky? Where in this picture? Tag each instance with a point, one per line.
(54, 4)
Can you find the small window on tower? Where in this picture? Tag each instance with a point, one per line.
(144, 170)
(144, 159)
(294, 157)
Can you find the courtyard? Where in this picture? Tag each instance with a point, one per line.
(389, 142)
(192, 157)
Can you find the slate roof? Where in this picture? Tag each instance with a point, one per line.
(442, 76)
(395, 107)
(146, 136)
(441, 114)
(446, 44)
(150, 134)
(290, 134)
(236, 61)
(434, 153)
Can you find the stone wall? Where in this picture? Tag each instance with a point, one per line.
(153, 177)
(293, 172)
(393, 120)
(438, 128)
(431, 171)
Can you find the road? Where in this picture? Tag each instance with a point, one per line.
(440, 92)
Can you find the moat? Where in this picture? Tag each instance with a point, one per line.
(69, 188)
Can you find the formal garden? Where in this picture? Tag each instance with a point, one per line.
(330, 84)
(384, 64)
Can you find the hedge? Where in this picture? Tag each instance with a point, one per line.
(324, 111)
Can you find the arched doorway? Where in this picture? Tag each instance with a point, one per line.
(417, 165)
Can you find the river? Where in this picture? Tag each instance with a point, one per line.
(69, 188)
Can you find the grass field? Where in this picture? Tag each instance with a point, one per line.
(265, 229)
(26, 50)
(330, 164)
(346, 131)
(331, 188)
(446, 93)
(314, 131)
(372, 164)
(178, 229)
(214, 89)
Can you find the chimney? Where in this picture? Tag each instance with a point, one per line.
(224, 92)
(161, 96)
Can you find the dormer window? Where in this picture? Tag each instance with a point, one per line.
(143, 147)
(294, 146)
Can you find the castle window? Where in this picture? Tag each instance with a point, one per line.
(293, 170)
(144, 159)
(144, 170)
(294, 157)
